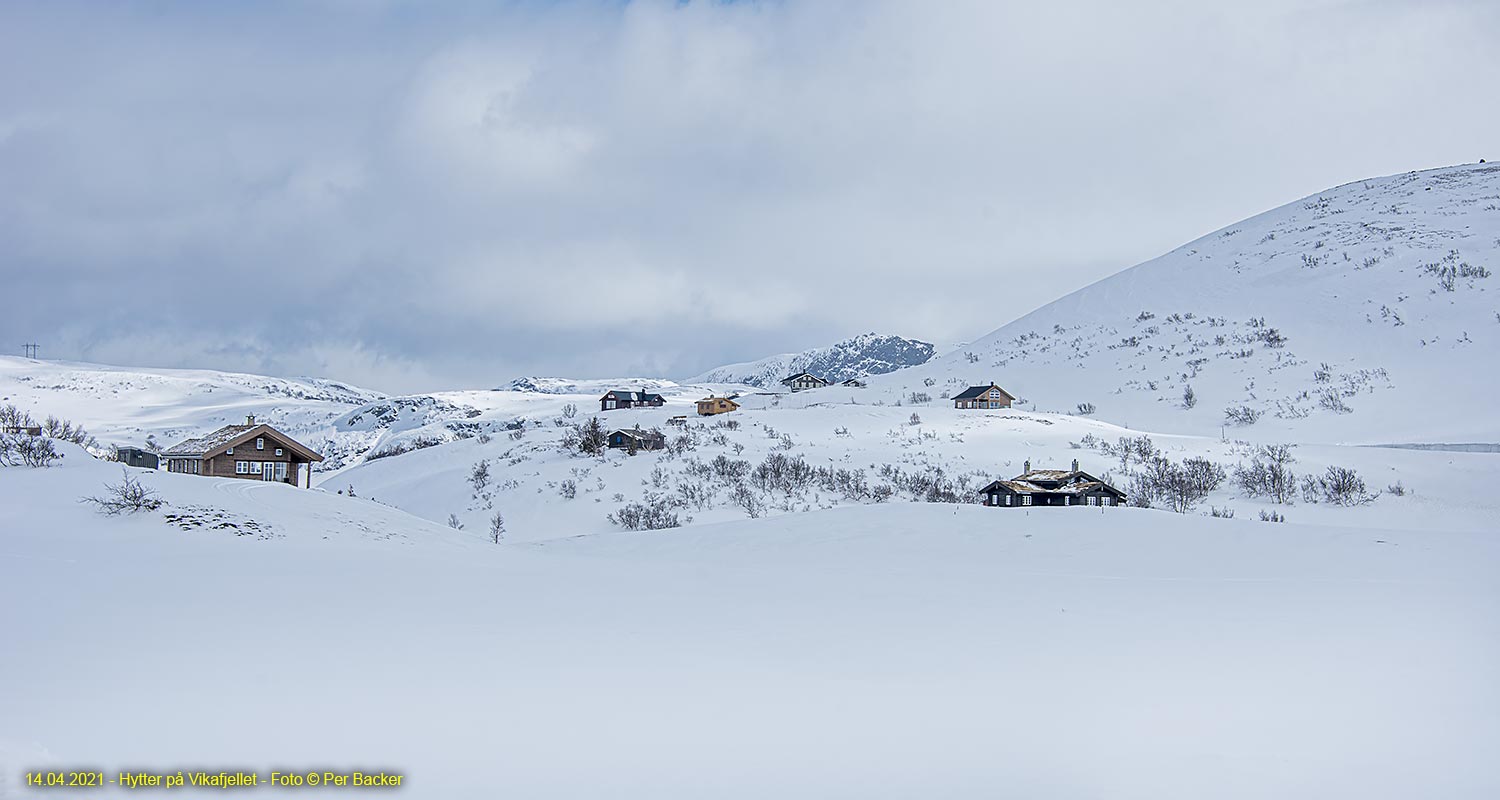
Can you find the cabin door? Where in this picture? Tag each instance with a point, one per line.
(267, 471)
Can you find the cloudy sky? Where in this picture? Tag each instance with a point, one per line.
(414, 197)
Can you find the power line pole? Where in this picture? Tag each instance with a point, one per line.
(30, 349)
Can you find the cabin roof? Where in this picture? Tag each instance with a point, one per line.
(231, 435)
(790, 378)
(633, 397)
(974, 392)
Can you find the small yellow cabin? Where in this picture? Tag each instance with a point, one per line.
(709, 406)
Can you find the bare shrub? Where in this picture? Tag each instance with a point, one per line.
(654, 512)
(1268, 474)
(1085, 409)
(497, 528)
(1241, 415)
(568, 489)
(479, 476)
(129, 496)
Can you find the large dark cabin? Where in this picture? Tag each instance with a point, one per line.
(624, 399)
(1051, 487)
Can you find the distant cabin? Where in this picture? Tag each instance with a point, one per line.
(854, 383)
(626, 399)
(680, 419)
(22, 430)
(250, 451)
(1052, 487)
(991, 396)
(137, 457)
(802, 381)
(637, 439)
(709, 406)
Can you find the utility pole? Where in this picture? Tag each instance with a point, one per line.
(30, 349)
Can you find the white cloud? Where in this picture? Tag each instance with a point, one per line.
(416, 184)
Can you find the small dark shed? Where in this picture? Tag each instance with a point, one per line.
(136, 457)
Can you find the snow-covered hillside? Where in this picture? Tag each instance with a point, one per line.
(125, 405)
(898, 651)
(1366, 313)
(858, 357)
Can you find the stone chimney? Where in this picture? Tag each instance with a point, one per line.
(249, 419)
(1026, 467)
(1075, 465)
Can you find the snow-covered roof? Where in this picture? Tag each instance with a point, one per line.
(206, 446)
(213, 441)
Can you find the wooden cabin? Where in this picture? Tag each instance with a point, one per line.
(711, 405)
(620, 398)
(854, 383)
(991, 396)
(256, 452)
(636, 439)
(803, 381)
(1051, 487)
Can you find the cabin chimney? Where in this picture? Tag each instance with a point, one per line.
(1026, 467)
(1075, 465)
(249, 419)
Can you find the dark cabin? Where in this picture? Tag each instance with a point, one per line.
(136, 457)
(624, 399)
(637, 439)
(991, 396)
(803, 381)
(1052, 487)
(854, 383)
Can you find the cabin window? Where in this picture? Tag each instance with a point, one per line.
(229, 452)
(278, 451)
(1025, 499)
(1007, 499)
(239, 468)
(281, 470)
(260, 444)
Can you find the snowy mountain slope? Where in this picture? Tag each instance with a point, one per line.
(544, 491)
(123, 405)
(899, 651)
(860, 356)
(1369, 312)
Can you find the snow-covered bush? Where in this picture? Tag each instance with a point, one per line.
(1337, 485)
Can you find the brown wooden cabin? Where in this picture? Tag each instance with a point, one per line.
(1052, 487)
(991, 396)
(711, 405)
(256, 452)
(625, 399)
(637, 439)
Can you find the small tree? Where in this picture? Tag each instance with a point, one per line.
(1189, 398)
(592, 439)
(569, 411)
(479, 476)
(497, 528)
(455, 523)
